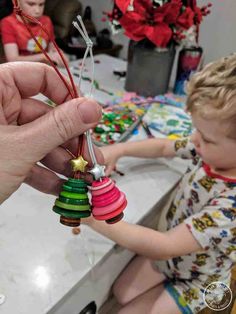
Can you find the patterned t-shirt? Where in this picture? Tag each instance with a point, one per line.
(14, 31)
(206, 203)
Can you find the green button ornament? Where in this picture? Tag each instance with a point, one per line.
(73, 202)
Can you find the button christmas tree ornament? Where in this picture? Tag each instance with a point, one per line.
(108, 202)
(73, 202)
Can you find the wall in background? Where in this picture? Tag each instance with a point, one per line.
(216, 32)
(98, 6)
(218, 29)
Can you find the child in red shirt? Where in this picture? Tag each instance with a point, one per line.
(19, 44)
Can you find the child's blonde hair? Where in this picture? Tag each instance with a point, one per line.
(212, 92)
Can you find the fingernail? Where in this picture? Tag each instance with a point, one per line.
(90, 111)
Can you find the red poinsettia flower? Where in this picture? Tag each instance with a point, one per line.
(137, 28)
(144, 19)
(149, 22)
(186, 19)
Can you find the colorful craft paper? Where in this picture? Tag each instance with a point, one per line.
(168, 120)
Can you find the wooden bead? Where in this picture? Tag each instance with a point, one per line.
(69, 222)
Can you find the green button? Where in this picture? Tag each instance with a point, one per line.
(73, 201)
(71, 207)
(74, 195)
(71, 213)
(74, 189)
(78, 183)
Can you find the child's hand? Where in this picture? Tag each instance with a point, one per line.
(111, 155)
(87, 221)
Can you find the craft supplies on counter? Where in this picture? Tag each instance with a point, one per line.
(116, 125)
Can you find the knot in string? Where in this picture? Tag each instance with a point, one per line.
(89, 43)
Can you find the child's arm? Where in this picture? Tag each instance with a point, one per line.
(55, 55)
(12, 54)
(149, 148)
(147, 242)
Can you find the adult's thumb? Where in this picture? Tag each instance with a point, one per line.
(59, 125)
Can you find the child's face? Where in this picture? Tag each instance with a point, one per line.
(33, 8)
(211, 143)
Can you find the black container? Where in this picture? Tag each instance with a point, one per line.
(149, 68)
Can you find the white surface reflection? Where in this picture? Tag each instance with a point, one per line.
(42, 278)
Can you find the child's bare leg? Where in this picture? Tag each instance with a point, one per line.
(165, 304)
(137, 278)
(155, 301)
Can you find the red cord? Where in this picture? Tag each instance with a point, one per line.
(72, 91)
(25, 16)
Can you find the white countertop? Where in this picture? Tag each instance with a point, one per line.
(42, 263)
(41, 260)
(104, 67)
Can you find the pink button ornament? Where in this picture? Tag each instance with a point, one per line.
(108, 202)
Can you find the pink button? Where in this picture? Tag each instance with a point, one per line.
(113, 214)
(109, 197)
(105, 195)
(109, 208)
(103, 190)
(97, 184)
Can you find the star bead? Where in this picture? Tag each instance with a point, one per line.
(78, 164)
(98, 171)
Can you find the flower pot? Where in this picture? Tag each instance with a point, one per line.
(188, 63)
(149, 68)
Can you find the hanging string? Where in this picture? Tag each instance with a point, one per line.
(25, 18)
(82, 30)
(71, 89)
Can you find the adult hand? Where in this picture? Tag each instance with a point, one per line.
(31, 131)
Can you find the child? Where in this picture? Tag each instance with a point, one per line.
(199, 246)
(18, 43)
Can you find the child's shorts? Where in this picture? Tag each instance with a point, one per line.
(187, 296)
(187, 293)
